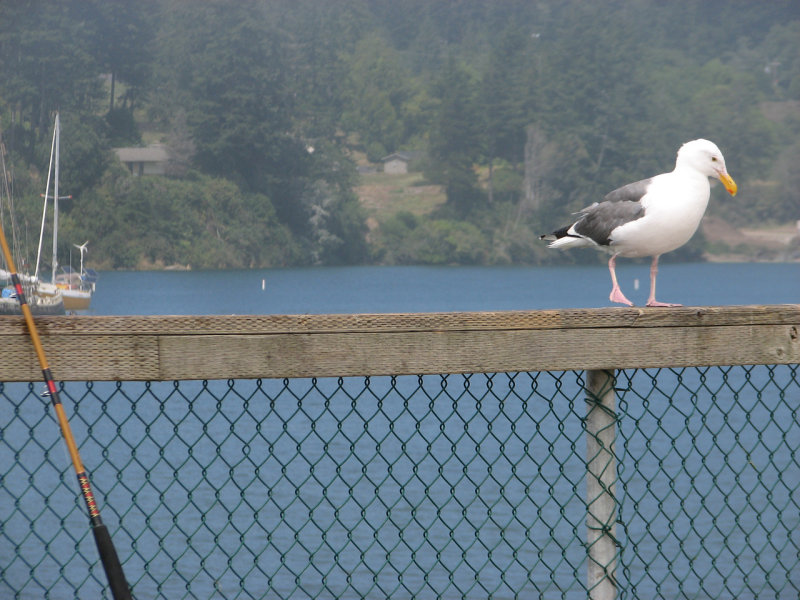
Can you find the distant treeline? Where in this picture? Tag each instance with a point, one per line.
(523, 111)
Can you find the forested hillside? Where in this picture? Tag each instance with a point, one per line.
(522, 112)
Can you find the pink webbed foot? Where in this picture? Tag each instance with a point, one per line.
(657, 303)
(617, 296)
(616, 293)
(651, 301)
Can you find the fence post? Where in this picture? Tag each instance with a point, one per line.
(601, 503)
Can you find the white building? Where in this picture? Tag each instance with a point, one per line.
(149, 160)
(396, 163)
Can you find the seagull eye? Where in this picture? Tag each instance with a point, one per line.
(713, 159)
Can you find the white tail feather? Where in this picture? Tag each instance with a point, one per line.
(571, 242)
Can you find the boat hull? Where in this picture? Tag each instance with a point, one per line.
(73, 298)
(39, 306)
(76, 299)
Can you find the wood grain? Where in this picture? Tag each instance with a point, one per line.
(253, 346)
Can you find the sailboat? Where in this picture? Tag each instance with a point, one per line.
(75, 289)
(39, 303)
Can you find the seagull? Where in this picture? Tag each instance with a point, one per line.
(649, 217)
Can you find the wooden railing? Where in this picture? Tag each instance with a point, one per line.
(239, 347)
(599, 341)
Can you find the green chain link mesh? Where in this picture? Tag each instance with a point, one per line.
(410, 487)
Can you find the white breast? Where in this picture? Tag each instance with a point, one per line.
(674, 206)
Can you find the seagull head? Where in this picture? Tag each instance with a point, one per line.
(706, 157)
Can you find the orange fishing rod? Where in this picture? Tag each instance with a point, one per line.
(105, 547)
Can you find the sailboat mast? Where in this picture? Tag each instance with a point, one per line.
(55, 205)
(44, 207)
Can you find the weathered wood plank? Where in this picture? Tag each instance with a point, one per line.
(210, 347)
(98, 358)
(75, 355)
(605, 318)
(340, 354)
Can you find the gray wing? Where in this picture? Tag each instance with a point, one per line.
(600, 219)
(597, 221)
(633, 192)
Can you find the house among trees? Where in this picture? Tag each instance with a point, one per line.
(149, 160)
(396, 163)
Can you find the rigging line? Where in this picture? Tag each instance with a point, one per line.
(105, 547)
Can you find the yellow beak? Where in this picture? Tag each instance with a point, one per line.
(729, 183)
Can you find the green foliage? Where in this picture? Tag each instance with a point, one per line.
(123, 130)
(525, 112)
(406, 239)
(84, 154)
(782, 54)
(503, 97)
(234, 91)
(47, 64)
(376, 92)
(455, 139)
(322, 37)
(201, 221)
(122, 40)
(508, 182)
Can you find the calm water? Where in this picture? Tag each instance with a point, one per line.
(434, 289)
(212, 487)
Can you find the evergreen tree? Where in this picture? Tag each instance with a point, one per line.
(47, 65)
(375, 93)
(455, 139)
(122, 41)
(503, 100)
(233, 81)
(263, 95)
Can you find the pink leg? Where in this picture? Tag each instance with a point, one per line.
(651, 301)
(616, 293)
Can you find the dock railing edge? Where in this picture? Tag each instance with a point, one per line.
(142, 348)
(597, 341)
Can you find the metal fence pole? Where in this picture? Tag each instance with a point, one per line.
(601, 503)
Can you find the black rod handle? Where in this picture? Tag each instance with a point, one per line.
(108, 555)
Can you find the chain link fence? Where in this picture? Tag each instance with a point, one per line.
(450, 486)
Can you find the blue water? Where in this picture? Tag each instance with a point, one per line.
(435, 289)
(451, 487)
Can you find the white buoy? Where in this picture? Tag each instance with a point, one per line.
(636, 284)
(263, 284)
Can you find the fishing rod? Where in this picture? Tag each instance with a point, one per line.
(105, 547)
